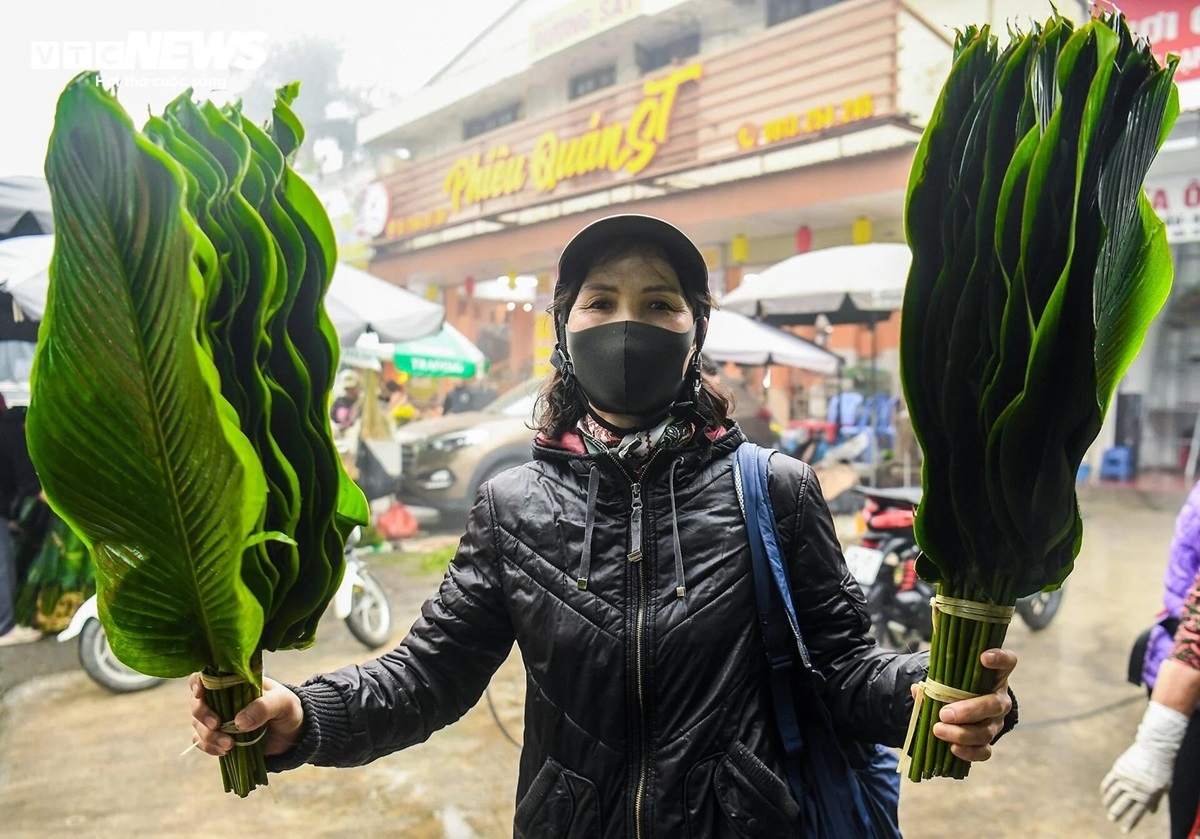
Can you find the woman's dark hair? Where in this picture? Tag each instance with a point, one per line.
(562, 404)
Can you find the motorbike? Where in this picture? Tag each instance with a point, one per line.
(360, 601)
(884, 561)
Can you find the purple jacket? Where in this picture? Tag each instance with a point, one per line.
(1182, 567)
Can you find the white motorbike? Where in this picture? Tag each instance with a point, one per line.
(360, 601)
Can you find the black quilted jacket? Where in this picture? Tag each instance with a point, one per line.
(647, 712)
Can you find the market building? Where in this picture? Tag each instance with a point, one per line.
(1157, 413)
(762, 127)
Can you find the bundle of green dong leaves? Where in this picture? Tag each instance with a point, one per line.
(180, 387)
(1038, 265)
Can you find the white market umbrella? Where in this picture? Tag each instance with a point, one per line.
(24, 271)
(742, 340)
(356, 301)
(21, 196)
(847, 284)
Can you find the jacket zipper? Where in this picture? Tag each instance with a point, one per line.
(635, 527)
(635, 556)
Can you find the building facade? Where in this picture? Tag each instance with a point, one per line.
(762, 127)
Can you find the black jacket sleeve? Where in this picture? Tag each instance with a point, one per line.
(436, 674)
(867, 688)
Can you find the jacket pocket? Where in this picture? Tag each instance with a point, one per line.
(558, 805)
(736, 795)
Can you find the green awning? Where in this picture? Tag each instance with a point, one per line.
(447, 354)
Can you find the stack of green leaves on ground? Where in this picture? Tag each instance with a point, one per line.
(59, 576)
(180, 384)
(1038, 265)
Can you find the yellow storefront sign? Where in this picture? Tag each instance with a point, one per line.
(416, 222)
(751, 135)
(627, 145)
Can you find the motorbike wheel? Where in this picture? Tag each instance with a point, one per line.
(1037, 610)
(104, 668)
(370, 618)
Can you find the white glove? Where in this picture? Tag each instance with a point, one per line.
(1139, 777)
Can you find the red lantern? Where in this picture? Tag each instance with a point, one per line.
(469, 286)
(803, 239)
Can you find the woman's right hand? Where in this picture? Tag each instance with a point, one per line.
(278, 708)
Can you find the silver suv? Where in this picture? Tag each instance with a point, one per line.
(444, 460)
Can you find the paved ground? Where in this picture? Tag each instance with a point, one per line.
(77, 761)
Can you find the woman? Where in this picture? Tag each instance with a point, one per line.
(1166, 752)
(618, 561)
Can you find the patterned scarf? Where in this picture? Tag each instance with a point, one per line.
(636, 446)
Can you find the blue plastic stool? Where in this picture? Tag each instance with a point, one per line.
(1117, 464)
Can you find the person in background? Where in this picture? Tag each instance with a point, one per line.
(750, 412)
(400, 408)
(1166, 752)
(347, 408)
(619, 562)
(468, 396)
(18, 481)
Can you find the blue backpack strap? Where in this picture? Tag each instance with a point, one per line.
(832, 780)
(777, 636)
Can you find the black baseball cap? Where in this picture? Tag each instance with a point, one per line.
(683, 255)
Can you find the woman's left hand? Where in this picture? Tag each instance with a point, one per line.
(970, 725)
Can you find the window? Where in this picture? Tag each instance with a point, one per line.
(491, 120)
(651, 58)
(585, 83)
(779, 11)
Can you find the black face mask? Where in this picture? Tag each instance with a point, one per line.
(630, 368)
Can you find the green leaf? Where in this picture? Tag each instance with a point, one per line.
(338, 502)
(120, 326)
(251, 288)
(1048, 269)
(1133, 277)
(930, 229)
(1026, 238)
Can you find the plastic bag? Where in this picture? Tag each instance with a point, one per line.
(397, 522)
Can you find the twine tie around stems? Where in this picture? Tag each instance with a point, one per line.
(212, 682)
(970, 610)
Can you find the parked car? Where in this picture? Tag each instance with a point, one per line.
(444, 460)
